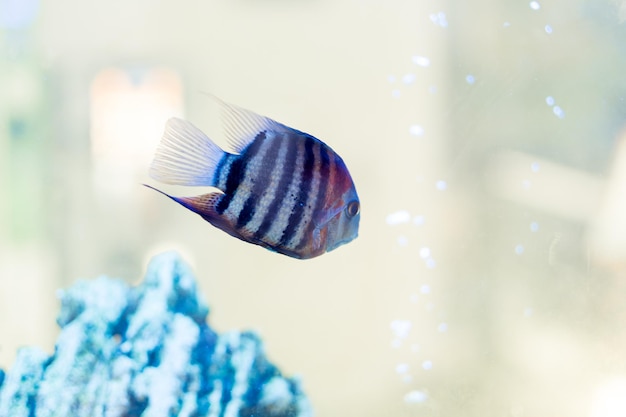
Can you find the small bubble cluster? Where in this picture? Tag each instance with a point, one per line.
(425, 253)
(557, 110)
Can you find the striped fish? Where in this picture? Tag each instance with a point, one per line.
(281, 189)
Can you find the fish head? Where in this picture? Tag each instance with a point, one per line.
(342, 209)
(343, 227)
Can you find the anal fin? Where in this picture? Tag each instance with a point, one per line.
(204, 204)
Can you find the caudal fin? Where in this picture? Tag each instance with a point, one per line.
(185, 156)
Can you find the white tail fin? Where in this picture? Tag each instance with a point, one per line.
(185, 156)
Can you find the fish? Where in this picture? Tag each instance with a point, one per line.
(278, 187)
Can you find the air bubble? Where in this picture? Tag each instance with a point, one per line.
(548, 29)
(558, 112)
(398, 217)
(550, 101)
(418, 220)
(425, 289)
(416, 130)
(430, 263)
(424, 252)
(534, 167)
(441, 185)
(427, 365)
(519, 249)
(408, 78)
(421, 61)
(534, 227)
(442, 328)
(470, 79)
(402, 368)
(439, 19)
(415, 397)
(535, 5)
(400, 328)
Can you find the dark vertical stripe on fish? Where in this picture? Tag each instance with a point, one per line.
(238, 171)
(283, 186)
(222, 170)
(322, 192)
(219, 169)
(261, 182)
(303, 196)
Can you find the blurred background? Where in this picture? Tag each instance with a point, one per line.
(486, 140)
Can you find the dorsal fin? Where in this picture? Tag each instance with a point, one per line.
(242, 126)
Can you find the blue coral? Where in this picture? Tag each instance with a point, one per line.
(146, 351)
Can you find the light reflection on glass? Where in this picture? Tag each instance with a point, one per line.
(128, 114)
(609, 399)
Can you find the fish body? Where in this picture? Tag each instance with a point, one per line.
(281, 188)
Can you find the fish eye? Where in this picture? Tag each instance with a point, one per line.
(352, 209)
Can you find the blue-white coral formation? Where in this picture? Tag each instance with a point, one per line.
(146, 351)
